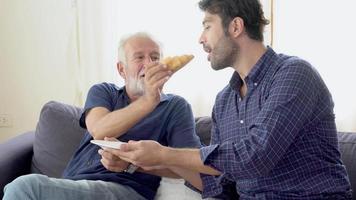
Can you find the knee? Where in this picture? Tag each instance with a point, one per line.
(24, 187)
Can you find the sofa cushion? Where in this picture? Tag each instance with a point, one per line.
(347, 146)
(57, 136)
(203, 128)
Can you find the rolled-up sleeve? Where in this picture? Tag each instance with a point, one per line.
(212, 185)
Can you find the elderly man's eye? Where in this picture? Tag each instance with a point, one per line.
(155, 58)
(139, 57)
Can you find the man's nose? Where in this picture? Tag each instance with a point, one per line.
(201, 39)
(147, 60)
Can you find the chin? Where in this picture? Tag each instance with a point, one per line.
(218, 67)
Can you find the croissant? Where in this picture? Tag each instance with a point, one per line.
(177, 62)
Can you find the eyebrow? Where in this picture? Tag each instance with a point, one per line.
(206, 20)
(155, 53)
(137, 54)
(141, 53)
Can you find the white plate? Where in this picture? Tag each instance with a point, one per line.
(108, 144)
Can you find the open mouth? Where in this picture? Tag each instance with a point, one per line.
(208, 50)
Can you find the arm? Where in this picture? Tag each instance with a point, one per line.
(101, 122)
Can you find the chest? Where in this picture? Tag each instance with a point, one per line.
(236, 115)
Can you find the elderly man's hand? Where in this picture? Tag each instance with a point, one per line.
(112, 162)
(156, 75)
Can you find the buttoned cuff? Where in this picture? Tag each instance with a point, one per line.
(190, 186)
(212, 185)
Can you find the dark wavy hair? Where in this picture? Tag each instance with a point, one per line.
(249, 10)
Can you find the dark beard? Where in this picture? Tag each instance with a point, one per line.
(224, 54)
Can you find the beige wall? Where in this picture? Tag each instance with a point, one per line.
(37, 58)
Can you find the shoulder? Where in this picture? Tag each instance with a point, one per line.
(297, 75)
(105, 86)
(104, 89)
(176, 99)
(295, 69)
(295, 64)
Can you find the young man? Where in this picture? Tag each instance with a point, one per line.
(138, 111)
(274, 133)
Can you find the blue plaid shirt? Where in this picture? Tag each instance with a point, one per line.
(279, 141)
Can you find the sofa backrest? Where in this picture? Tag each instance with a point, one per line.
(57, 136)
(347, 146)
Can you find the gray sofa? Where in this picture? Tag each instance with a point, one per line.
(48, 149)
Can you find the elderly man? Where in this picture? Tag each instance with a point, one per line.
(137, 111)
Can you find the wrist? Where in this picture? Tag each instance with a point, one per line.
(168, 157)
(146, 105)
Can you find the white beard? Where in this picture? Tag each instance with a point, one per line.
(135, 86)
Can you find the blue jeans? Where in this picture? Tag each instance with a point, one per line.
(36, 187)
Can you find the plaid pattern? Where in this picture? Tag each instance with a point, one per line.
(279, 141)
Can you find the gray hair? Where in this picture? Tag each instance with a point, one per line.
(123, 41)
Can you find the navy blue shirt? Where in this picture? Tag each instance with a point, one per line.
(171, 124)
(280, 140)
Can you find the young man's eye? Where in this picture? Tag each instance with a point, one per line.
(206, 27)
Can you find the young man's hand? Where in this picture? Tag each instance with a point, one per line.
(147, 154)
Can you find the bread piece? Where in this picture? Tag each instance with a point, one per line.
(177, 62)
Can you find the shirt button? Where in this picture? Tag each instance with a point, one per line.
(241, 121)
(239, 98)
(255, 84)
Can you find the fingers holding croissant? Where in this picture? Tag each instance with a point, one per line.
(177, 62)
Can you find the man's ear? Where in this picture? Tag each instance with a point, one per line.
(121, 69)
(236, 27)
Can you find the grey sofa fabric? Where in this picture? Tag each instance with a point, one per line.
(15, 158)
(57, 136)
(347, 146)
(202, 128)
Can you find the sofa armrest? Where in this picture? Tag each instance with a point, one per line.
(15, 158)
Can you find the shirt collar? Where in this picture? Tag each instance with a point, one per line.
(235, 82)
(122, 90)
(261, 67)
(257, 72)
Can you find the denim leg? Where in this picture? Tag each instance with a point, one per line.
(37, 187)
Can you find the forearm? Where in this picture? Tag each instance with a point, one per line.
(188, 159)
(116, 123)
(161, 172)
(190, 176)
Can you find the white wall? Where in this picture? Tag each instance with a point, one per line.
(37, 59)
(323, 32)
(55, 50)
